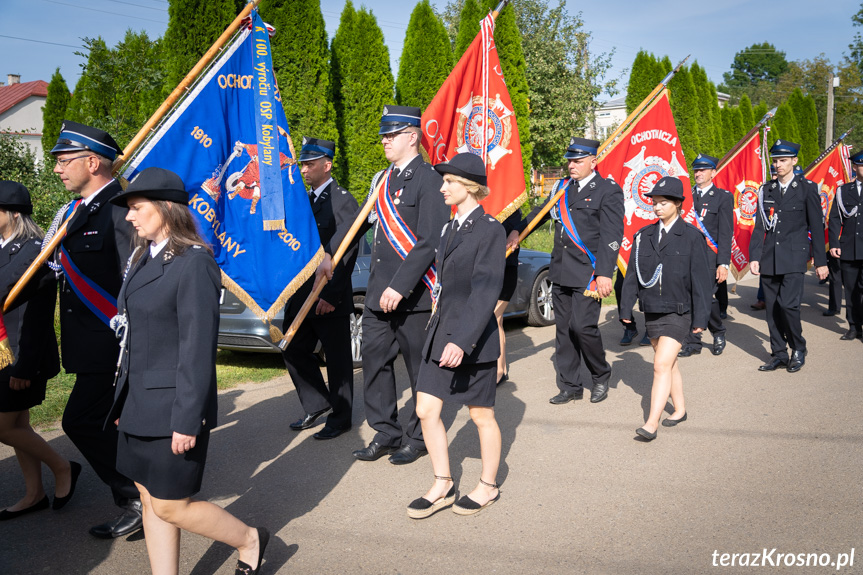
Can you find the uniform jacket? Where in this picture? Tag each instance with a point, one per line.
(597, 212)
(716, 210)
(471, 277)
(786, 248)
(513, 222)
(334, 208)
(99, 241)
(422, 207)
(686, 283)
(30, 324)
(169, 384)
(847, 233)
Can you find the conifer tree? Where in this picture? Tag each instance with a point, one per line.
(54, 111)
(665, 66)
(468, 27)
(746, 112)
(784, 125)
(727, 123)
(642, 79)
(684, 106)
(705, 119)
(301, 62)
(193, 26)
(365, 85)
(426, 58)
(737, 125)
(759, 111)
(807, 125)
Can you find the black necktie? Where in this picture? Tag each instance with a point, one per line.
(661, 235)
(393, 177)
(452, 232)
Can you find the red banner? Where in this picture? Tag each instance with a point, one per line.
(645, 153)
(829, 174)
(472, 112)
(742, 175)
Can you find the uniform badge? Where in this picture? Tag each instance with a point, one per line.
(662, 183)
(710, 193)
(408, 173)
(91, 233)
(592, 185)
(397, 201)
(386, 111)
(614, 245)
(169, 255)
(794, 184)
(94, 206)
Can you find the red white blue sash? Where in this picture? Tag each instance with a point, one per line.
(569, 226)
(400, 236)
(696, 221)
(100, 302)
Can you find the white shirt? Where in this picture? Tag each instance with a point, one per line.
(156, 248)
(667, 228)
(89, 199)
(404, 165)
(703, 191)
(584, 182)
(3, 242)
(320, 189)
(461, 219)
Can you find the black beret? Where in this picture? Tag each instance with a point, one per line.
(154, 184)
(14, 197)
(466, 165)
(669, 187)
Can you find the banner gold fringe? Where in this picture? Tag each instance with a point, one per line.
(6, 356)
(274, 225)
(512, 207)
(267, 316)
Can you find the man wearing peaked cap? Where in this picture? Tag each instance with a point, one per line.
(97, 244)
(789, 213)
(398, 297)
(715, 207)
(845, 227)
(588, 232)
(333, 207)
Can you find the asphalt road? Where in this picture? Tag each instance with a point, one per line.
(765, 461)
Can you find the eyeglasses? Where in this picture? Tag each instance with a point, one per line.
(61, 163)
(390, 137)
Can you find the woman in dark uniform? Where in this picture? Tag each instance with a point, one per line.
(669, 274)
(166, 393)
(461, 348)
(510, 282)
(30, 329)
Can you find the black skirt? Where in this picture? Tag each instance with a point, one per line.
(671, 325)
(150, 462)
(11, 400)
(510, 281)
(471, 384)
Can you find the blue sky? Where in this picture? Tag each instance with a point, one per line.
(711, 32)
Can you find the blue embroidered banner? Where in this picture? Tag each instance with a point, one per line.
(230, 143)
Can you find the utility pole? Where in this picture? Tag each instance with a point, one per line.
(828, 131)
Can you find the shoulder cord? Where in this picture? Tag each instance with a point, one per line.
(657, 274)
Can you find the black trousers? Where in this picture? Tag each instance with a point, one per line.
(782, 294)
(84, 423)
(714, 323)
(334, 332)
(384, 335)
(852, 279)
(618, 287)
(834, 284)
(576, 318)
(722, 296)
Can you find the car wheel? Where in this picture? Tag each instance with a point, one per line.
(357, 330)
(540, 311)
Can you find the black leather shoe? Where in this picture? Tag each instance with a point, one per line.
(645, 341)
(331, 432)
(308, 420)
(672, 422)
(6, 515)
(851, 334)
(759, 305)
(599, 392)
(566, 397)
(60, 502)
(798, 358)
(130, 521)
(689, 350)
(830, 312)
(628, 336)
(407, 454)
(718, 345)
(773, 365)
(648, 436)
(723, 315)
(373, 452)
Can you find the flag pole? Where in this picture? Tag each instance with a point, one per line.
(745, 140)
(133, 145)
(605, 148)
(322, 280)
(826, 152)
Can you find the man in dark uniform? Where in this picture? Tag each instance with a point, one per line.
(715, 207)
(789, 212)
(333, 207)
(592, 216)
(398, 296)
(90, 264)
(846, 244)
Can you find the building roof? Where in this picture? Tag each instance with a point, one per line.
(619, 102)
(17, 93)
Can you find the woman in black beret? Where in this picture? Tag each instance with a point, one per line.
(166, 400)
(462, 347)
(669, 274)
(30, 328)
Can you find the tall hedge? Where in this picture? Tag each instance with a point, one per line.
(708, 109)
(745, 107)
(642, 79)
(468, 26)
(54, 111)
(426, 58)
(684, 106)
(807, 125)
(784, 125)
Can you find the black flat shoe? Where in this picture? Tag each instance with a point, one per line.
(60, 502)
(467, 506)
(566, 397)
(689, 350)
(672, 422)
(6, 515)
(830, 312)
(645, 341)
(646, 434)
(407, 454)
(373, 452)
(331, 432)
(773, 365)
(308, 420)
(851, 334)
(245, 568)
(628, 336)
(421, 508)
(503, 378)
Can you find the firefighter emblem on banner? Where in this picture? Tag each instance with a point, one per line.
(496, 127)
